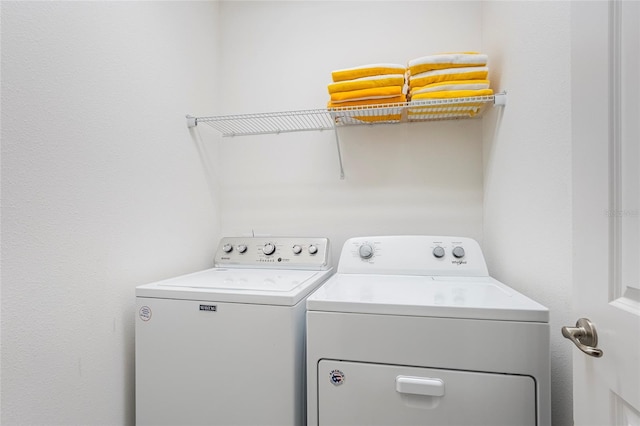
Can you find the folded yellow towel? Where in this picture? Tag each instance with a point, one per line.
(367, 83)
(377, 101)
(377, 118)
(448, 74)
(367, 71)
(452, 85)
(447, 60)
(373, 93)
(447, 94)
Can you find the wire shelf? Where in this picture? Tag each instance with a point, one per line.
(334, 118)
(330, 119)
(269, 123)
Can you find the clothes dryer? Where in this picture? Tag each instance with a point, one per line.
(412, 330)
(225, 346)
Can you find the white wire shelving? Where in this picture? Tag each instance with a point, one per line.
(333, 119)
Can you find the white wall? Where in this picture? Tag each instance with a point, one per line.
(103, 189)
(527, 168)
(423, 178)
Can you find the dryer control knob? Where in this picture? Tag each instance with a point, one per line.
(242, 248)
(313, 249)
(458, 252)
(269, 249)
(296, 249)
(365, 251)
(438, 252)
(227, 248)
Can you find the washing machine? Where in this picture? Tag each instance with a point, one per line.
(225, 346)
(412, 330)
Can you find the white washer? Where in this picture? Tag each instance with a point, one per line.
(225, 346)
(412, 330)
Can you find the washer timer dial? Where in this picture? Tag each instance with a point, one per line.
(365, 251)
(269, 249)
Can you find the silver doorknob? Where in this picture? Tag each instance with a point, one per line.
(584, 336)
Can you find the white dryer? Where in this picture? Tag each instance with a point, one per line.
(225, 346)
(412, 330)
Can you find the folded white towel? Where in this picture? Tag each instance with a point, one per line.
(447, 60)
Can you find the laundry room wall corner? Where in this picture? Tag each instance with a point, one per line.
(102, 190)
(527, 168)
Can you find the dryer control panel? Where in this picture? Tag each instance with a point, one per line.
(274, 252)
(413, 255)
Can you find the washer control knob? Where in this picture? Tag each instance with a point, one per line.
(438, 252)
(227, 248)
(365, 251)
(242, 248)
(313, 249)
(296, 249)
(269, 249)
(458, 252)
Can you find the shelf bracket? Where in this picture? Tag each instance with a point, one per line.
(191, 121)
(500, 99)
(335, 129)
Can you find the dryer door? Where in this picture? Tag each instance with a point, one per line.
(354, 393)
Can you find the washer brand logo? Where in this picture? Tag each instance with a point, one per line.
(459, 262)
(336, 377)
(210, 308)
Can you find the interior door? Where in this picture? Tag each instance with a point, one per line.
(606, 215)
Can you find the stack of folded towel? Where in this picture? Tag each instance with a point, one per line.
(367, 85)
(449, 75)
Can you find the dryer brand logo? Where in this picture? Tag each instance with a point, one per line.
(336, 377)
(210, 308)
(145, 313)
(459, 262)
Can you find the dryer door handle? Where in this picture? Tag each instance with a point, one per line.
(420, 385)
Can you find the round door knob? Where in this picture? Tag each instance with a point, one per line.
(227, 248)
(365, 251)
(242, 248)
(438, 252)
(458, 252)
(313, 249)
(269, 249)
(296, 249)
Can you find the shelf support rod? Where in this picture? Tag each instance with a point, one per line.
(335, 129)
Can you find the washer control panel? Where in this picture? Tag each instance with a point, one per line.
(413, 255)
(274, 252)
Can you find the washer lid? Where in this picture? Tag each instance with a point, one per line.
(444, 297)
(236, 285)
